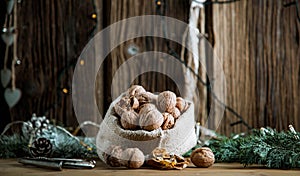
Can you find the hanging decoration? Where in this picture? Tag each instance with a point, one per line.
(12, 95)
(193, 41)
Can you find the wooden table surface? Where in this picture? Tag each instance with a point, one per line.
(12, 167)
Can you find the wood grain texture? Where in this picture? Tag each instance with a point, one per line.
(11, 167)
(154, 82)
(258, 45)
(257, 42)
(51, 37)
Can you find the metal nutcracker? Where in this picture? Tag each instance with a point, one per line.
(58, 163)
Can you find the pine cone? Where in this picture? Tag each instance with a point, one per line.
(41, 147)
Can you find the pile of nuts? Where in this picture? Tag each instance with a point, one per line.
(133, 158)
(139, 109)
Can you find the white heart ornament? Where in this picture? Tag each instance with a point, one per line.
(12, 96)
(5, 77)
(10, 5)
(8, 38)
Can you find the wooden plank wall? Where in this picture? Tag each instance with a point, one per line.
(257, 42)
(51, 36)
(120, 10)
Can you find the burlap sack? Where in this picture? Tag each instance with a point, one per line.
(177, 140)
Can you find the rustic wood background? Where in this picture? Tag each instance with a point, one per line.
(257, 42)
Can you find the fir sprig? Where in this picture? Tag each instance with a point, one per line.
(13, 146)
(265, 146)
(16, 145)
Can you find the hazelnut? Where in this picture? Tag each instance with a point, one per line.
(175, 112)
(122, 106)
(133, 158)
(152, 120)
(203, 157)
(135, 90)
(169, 121)
(130, 120)
(166, 101)
(180, 104)
(146, 97)
(113, 155)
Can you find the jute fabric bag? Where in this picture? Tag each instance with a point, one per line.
(177, 140)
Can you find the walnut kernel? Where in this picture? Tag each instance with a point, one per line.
(169, 121)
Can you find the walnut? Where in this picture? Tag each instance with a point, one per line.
(166, 101)
(133, 158)
(145, 108)
(113, 155)
(152, 120)
(146, 97)
(180, 104)
(130, 120)
(175, 112)
(135, 90)
(169, 121)
(122, 105)
(203, 157)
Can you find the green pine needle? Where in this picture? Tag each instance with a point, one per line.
(266, 147)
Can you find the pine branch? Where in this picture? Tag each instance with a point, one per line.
(265, 146)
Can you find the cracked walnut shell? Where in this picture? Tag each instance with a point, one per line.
(169, 121)
(134, 102)
(135, 90)
(122, 106)
(146, 97)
